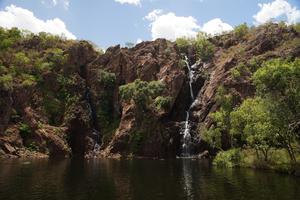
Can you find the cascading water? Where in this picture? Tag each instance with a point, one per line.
(190, 77)
(95, 133)
(186, 131)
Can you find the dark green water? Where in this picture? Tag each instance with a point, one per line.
(139, 179)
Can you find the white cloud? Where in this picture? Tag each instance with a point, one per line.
(53, 3)
(14, 16)
(216, 26)
(153, 15)
(132, 2)
(139, 40)
(170, 26)
(277, 9)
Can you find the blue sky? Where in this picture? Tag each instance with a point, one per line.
(108, 22)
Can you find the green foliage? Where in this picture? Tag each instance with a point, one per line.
(296, 27)
(25, 130)
(107, 79)
(28, 80)
(230, 158)
(239, 70)
(6, 82)
(252, 124)
(279, 78)
(183, 44)
(54, 109)
(269, 120)
(48, 40)
(136, 140)
(278, 83)
(56, 56)
(221, 119)
(204, 48)
(21, 59)
(241, 31)
(141, 92)
(3, 70)
(105, 106)
(32, 147)
(212, 136)
(162, 103)
(9, 37)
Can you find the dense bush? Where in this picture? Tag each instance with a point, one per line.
(239, 71)
(162, 103)
(183, 44)
(6, 82)
(141, 92)
(240, 31)
(107, 79)
(230, 158)
(25, 130)
(204, 48)
(9, 37)
(270, 120)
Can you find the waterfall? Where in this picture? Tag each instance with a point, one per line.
(186, 131)
(191, 75)
(92, 112)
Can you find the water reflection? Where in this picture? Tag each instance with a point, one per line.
(139, 179)
(187, 178)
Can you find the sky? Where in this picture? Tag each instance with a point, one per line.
(111, 22)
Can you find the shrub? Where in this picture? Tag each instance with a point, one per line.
(107, 79)
(162, 103)
(136, 140)
(141, 92)
(32, 147)
(28, 80)
(296, 27)
(3, 70)
(6, 82)
(183, 44)
(230, 158)
(239, 70)
(241, 30)
(25, 130)
(9, 37)
(56, 56)
(204, 48)
(21, 59)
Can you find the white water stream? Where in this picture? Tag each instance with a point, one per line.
(186, 131)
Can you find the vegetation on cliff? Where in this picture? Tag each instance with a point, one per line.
(261, 130)
(64, 97)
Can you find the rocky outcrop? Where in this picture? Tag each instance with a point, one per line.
(263, 43)
(158, 60)
(75, 107)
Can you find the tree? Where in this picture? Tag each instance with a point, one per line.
(221, 119)
(241, 30)
(277, 81)
(252, 124)
(142, 93)
(204, 48)
(183, 44)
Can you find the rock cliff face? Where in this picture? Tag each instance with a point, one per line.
(75, 108)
